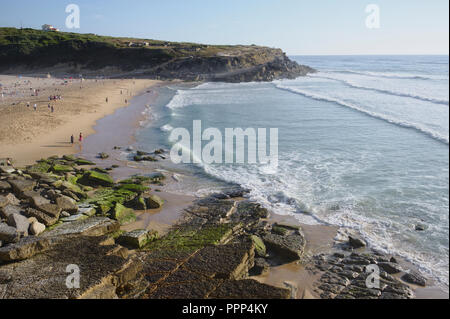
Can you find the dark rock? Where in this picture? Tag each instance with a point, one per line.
(9, 210)
(137, 238)
(356, 242)
(20, 186)
(415, 278)
(249, 289)
(390, 268)
(290, 247)
(261, 267)
(8, 234)
(42, 217)
(420, 227)
(24, 249)
(4, 186)
(67, 204)
(154, 202)
(231, 261)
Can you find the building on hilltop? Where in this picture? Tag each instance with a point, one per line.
(48, 27)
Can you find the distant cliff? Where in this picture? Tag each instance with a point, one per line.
(35, 51)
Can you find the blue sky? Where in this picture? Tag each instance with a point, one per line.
(296, 26)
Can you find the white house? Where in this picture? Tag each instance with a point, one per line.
(48, 27)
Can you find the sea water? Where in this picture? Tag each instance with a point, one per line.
(363, 144)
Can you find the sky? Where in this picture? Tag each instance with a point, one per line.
(299, 27)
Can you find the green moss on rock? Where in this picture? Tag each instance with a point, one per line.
(93, 178)
(260, 248)
(192, 239)
(137, 188)
(61, 169)
(122, 214)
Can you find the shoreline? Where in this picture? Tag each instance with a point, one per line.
(319, 238)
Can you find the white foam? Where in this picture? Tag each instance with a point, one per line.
(435, 135)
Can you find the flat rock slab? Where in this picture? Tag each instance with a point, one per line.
(248, 289)
(44, 276)
(230, 261)
(74, 218)
(20, 186)
(24, 248)
(290, 247)
(94, 226)
(42, 217)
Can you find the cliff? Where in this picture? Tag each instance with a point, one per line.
(34, 51)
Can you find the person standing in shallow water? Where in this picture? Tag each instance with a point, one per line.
(80, 139)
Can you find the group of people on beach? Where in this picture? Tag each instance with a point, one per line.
(80, 138)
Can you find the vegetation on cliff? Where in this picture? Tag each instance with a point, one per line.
(35, 50)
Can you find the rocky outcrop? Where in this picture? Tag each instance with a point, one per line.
(86, 54)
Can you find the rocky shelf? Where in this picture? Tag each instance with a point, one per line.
(65, 211)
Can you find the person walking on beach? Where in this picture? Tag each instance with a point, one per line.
(106, 99)
(72, 139)
(35, 106)
(52, 109)
(80, 139)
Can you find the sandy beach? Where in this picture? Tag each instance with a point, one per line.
(27, 135)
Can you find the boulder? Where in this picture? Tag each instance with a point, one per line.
(13, 199)
(390, 268)
(261, 267)
(50, 209)
(88, 210)
(279, 230)
(415, 278)
(35, 199)
(355, 242)
(138, 203)
(420, 227)
(93, 178)
(67, 204)
(20, 186)
(289, 247)
(260, 248)
(137, 238)
(61, 169)
(19, 222)
(8, 234)
(154, 202)
(42, 217)
(5, 186)
(36, 228)
(9, 210)
(25, 248)
(122, 214)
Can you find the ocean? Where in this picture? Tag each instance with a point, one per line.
(363, 144)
